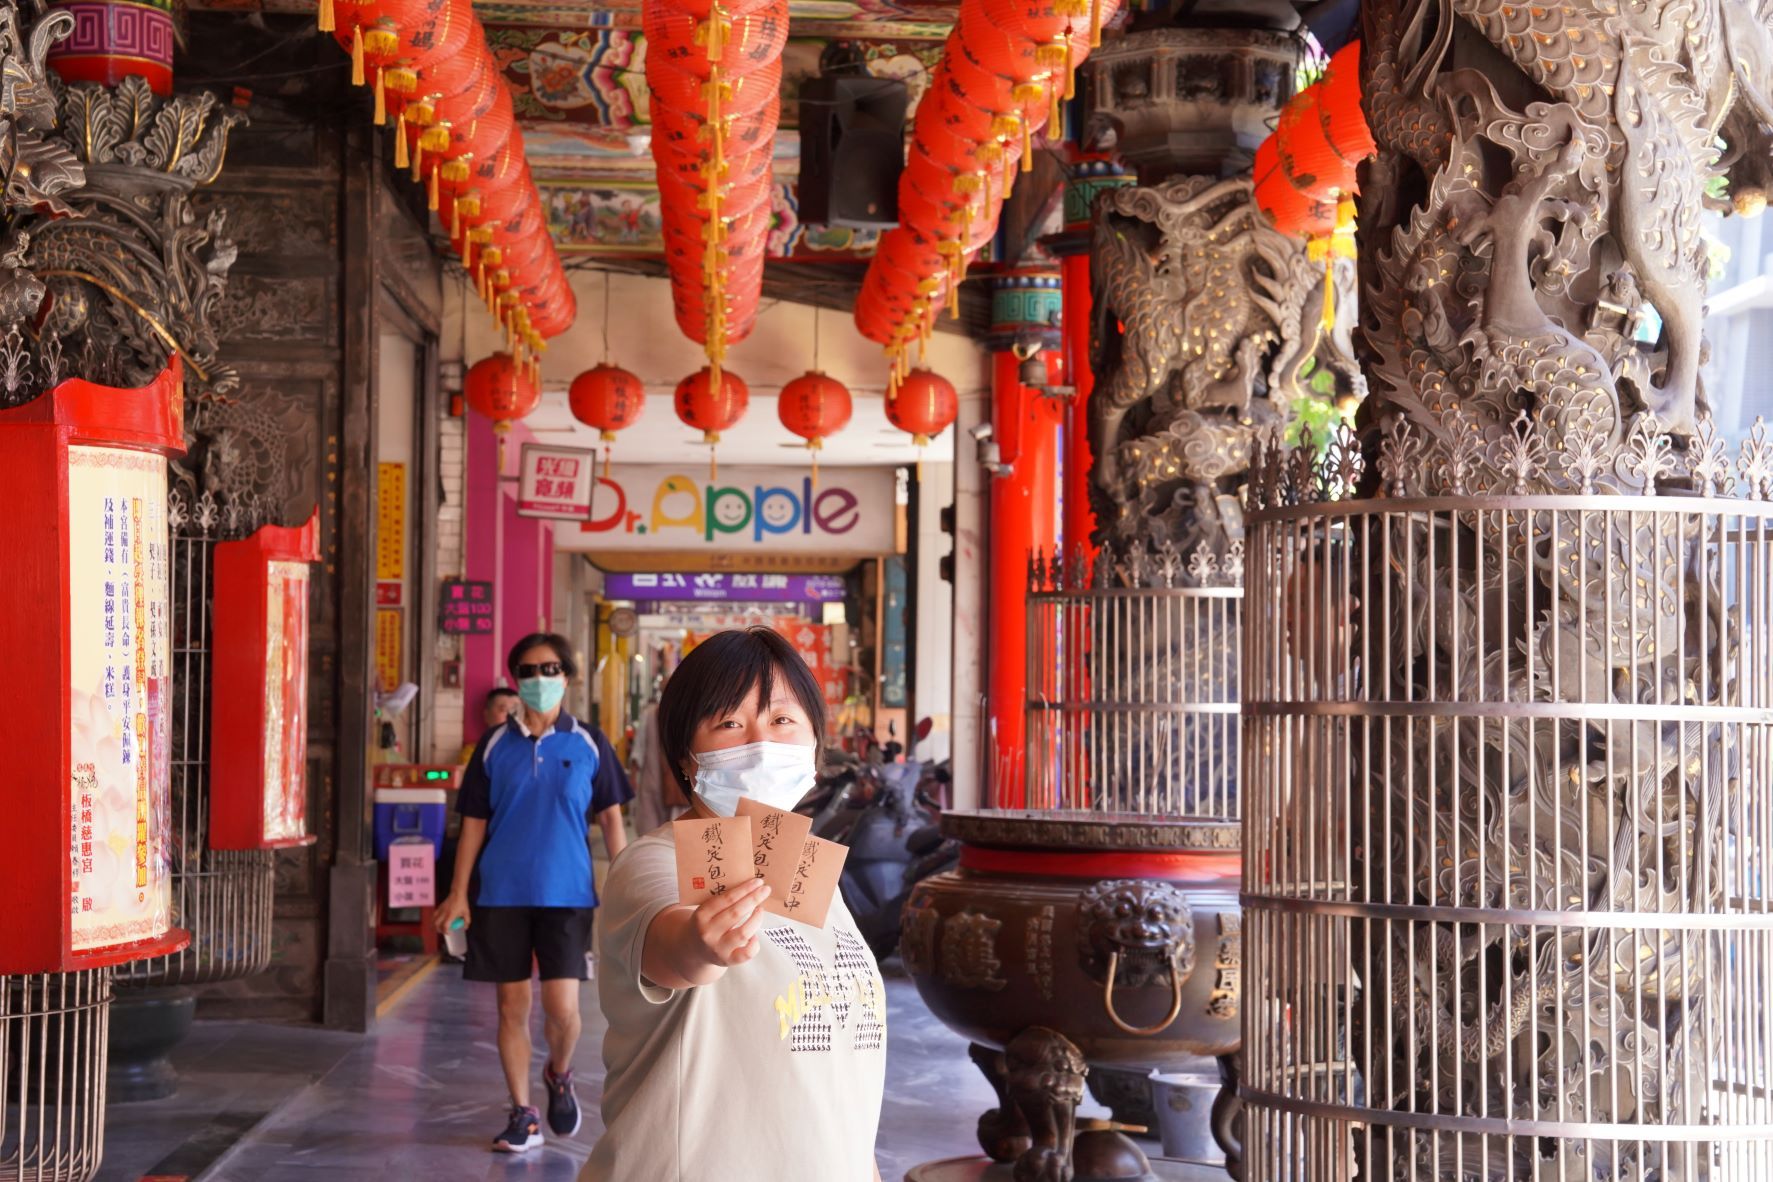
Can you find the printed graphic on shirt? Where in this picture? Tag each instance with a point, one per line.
(822, 1000)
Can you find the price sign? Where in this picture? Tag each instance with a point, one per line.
(466, 609)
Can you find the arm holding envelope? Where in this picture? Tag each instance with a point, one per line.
(688, 947)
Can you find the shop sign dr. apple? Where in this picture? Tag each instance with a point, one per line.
(659, 507)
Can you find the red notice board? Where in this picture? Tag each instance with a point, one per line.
(258, 734)
(85, 631)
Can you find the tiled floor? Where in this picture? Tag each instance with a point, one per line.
(421, 1096)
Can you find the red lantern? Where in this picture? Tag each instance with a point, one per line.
(498, 388)
(1293, 213)
(925, 406)
(608, 398)
(710, 411)
(1344, 121)
(814, 406)
(1314, 165)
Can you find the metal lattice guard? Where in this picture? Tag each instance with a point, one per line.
(223, 897)
(1132, 680)
(1508, 730)
(52, 1074)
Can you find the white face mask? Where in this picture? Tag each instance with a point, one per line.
(776, 774)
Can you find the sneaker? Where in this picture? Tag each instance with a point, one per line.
(522, 1134)
(563, 1104)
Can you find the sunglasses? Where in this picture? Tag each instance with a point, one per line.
(545, 669)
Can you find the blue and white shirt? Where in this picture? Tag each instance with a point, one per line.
(539, 795)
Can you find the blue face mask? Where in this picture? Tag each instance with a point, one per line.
(541, 694)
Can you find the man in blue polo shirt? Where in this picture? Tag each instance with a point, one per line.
(523, 880)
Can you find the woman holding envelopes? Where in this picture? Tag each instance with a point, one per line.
(743, 1045)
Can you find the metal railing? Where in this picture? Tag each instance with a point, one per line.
(1507, 826)
(53, 1029)
(222, 897)
(1132, 682)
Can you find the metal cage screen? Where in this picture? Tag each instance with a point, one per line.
(1506, 839)
(1132, 689)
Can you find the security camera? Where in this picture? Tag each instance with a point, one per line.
(980, 431)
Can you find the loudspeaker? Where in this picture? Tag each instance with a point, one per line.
(852, 150)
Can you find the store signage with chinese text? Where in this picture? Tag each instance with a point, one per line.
(555, 482)
(657, 507)
(725, 587)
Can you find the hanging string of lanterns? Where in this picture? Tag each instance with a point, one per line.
(1006, 69)
(715, 72)
(434, 76)
(1305, 172)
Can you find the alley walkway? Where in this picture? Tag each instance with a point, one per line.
(420, 1098)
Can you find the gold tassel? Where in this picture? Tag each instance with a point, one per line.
(1027, 146)
(1053, 115)
(327, 23)
(1095, 24)
(357, 55)
(814, 445)
(400, 158)
(431, 195)
(381, 100)
(455, 216)
(1070, 73)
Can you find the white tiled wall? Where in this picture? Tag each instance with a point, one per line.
(452, 556)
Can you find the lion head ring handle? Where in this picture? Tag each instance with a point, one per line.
(1135, 933)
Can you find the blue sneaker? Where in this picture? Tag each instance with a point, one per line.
(563, 1103)
(522, 1134)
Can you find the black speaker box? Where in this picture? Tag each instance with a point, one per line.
(852, 150)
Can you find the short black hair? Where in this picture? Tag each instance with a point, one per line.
(563, 649)
(499, 691)
(715, 677)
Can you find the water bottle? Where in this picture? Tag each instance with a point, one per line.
(455, 937)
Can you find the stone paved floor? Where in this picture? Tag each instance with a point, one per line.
(422, 1095)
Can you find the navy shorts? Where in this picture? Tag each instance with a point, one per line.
(514, 943)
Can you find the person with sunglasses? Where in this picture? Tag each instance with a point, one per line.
(523, 880)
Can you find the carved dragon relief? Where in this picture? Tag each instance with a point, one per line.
(1206, 317)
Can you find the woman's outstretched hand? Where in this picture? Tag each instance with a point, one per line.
(726, 925)
(691, 946)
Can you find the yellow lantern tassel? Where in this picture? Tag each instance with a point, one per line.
(455, 216)
(357, 55)
(381, 100)
(1027, 146)
(400, 159)
(813, 446)
(431, 194)
(418, 158)
(327, 23)
(1053, 116)
(1070, 73)
(1095, 24)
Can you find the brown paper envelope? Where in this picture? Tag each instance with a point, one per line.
(713, 856)
(815, 881)
(777, 837)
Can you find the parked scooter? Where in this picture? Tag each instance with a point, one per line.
(886, 812)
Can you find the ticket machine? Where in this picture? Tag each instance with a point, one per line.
(85, 655)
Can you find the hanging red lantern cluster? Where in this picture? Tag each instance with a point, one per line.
(435, 77)
(1007, 67)
(1306, 171)
(1307, 167)
(715, 72)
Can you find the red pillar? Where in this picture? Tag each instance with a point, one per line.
(1024, 520)
(1080, 519)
